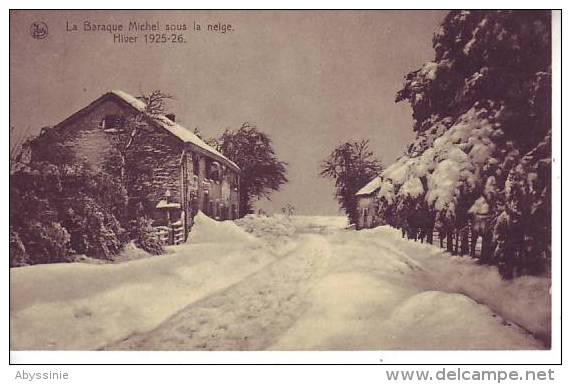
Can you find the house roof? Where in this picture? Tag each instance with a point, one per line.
(165, 123)
(371, 186)
(178, 130)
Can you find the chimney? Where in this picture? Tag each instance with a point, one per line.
(171, 116)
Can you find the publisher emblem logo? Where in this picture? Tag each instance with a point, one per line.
(39, 30)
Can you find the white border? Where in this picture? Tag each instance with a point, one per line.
(295, 357)
(389, 357)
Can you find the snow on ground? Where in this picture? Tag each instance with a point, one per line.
(206, 230)
(249, 315)
(281, 283)
(354, 290)
(525, 300)
(84, 306)
(384, 292)
(319, 224)
(132, 252)
(275, 227)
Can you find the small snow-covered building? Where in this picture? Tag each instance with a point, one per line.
(170, 171)
(367, 203)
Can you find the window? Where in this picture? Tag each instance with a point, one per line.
(207, 166)
(111, 123)
(195, 165)
(212, 170)
(214, 173)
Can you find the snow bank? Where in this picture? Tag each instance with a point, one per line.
(381, 292)
(321, 288)
(351, 311)
(132, 252)
(525, 300)
(79, 306)
(207, 230)
(445, 321)
(267, 227)
(281, 227)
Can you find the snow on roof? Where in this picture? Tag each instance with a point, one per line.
(371, 187)
(174, 128)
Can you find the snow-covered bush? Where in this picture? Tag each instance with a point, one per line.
(95, 231)
(51, 242)
(145, 237)
(59, 211)
(41, 243)
(18, 255)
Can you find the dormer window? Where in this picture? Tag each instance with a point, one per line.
(113, 123)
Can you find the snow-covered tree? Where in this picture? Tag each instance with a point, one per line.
(522, 229)
(482, 103)
(261, 170)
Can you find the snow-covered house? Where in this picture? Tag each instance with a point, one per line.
(171, 172)
(367, 203)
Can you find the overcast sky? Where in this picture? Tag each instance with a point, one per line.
(311, 80)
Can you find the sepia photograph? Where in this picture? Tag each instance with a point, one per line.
(283, 180)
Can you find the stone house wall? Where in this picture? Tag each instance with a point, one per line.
(153, 161)
(157, 161)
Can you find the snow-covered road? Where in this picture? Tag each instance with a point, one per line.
(251, 314)
(337, 290)
(304, 283)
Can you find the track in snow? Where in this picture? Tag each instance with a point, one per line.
(334, 290)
